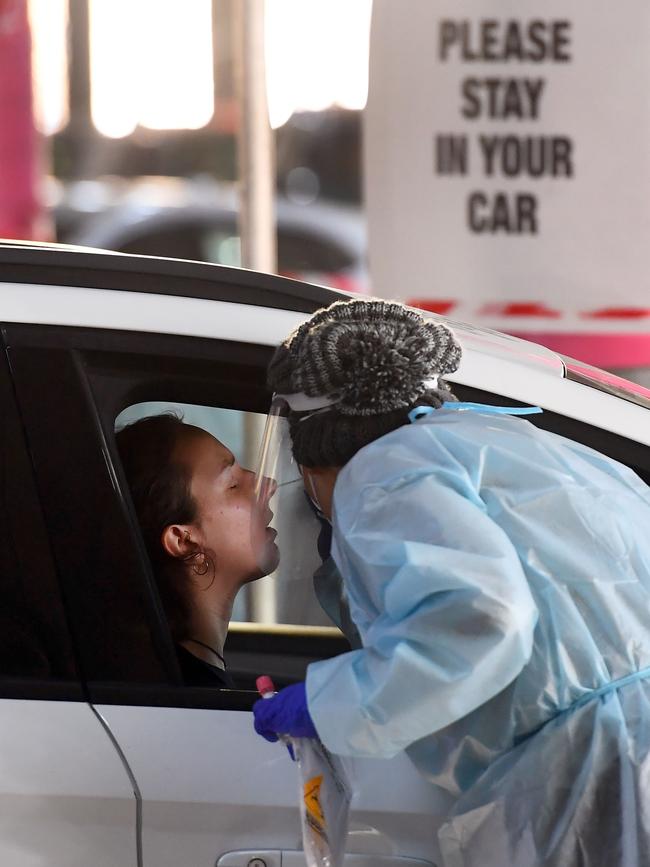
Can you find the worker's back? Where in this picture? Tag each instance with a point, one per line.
(553, 760)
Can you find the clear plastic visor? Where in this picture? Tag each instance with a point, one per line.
(286, 524)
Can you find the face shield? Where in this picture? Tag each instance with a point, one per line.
(287, 522)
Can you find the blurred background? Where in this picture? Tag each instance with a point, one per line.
(139, 126)
(136, 111)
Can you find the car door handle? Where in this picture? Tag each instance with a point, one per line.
(288, 858)
(252, 858)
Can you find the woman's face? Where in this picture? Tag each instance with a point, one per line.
(230, 525)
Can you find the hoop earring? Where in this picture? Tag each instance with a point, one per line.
(201, 563)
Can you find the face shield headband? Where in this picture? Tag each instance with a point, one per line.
(303, 403)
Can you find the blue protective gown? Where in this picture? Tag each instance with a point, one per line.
(499, 576)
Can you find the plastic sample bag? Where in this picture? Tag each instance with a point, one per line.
(325, 793)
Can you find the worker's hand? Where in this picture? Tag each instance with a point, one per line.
(284, 714)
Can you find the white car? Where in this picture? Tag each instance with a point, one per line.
(106, 758)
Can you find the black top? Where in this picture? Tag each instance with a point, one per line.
(197, 672)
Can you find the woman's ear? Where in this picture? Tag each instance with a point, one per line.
(176, 540)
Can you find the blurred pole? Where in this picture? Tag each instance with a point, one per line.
(256, 161)
(21, 212)
(81, 134)
(79, 63)
(255, 146)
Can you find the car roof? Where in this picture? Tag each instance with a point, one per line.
(63, 265)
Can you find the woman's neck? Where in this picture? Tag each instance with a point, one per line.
(207, 635)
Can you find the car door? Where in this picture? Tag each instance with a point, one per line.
(66, 797)
(212, 792)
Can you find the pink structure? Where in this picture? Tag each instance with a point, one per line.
(20, 209)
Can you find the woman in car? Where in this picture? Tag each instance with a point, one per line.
(195, 504)
(499, 578)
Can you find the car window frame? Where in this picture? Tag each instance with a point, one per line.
(33, 525)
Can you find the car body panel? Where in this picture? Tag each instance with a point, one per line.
(212, 801)
(65, 797)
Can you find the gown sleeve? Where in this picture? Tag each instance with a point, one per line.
(440, 597)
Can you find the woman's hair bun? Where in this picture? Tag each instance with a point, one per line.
(375, 355)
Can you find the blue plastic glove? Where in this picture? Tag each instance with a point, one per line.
(285, 714)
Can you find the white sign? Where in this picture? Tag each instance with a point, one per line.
(507, 151)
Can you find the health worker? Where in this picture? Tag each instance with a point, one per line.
(499, 579)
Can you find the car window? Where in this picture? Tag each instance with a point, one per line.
(277, 622)
(124, 637)
(34, 640)
(270, 600)
(270, 612)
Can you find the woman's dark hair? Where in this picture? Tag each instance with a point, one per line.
(160, 490)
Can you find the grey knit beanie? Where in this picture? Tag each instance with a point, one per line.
(375, 356)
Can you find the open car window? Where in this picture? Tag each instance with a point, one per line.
(274, 623)
(119, 622)
(268, 600)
